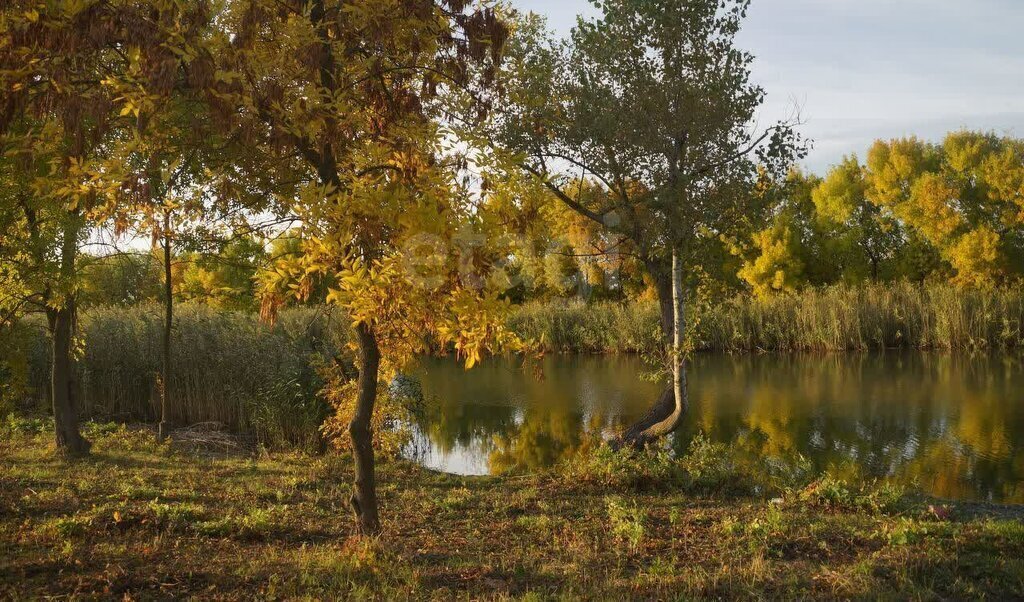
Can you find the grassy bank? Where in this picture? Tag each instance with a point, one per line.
(147, 520)
(833, 319)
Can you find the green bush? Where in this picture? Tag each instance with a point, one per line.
(834, 493)
(627, 521)
(713, 466)
(15, 340)
(623, 469)
(26, 426)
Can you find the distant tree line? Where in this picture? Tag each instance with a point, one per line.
(916, 211)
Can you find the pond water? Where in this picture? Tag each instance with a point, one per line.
(951, 425)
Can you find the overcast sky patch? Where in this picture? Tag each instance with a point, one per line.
(866, 69)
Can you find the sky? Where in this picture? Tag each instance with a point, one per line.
(859, 70)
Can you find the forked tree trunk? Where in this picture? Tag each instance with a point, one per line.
(61, 322)
(364, 494)
(165, 377)
(666, 414)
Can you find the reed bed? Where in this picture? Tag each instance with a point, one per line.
(840, 318)
(575, 326)
(227, 368)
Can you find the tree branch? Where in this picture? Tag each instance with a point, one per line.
(569, 201)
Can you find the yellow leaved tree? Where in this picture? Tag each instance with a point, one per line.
(348, 100)
(963, 196)
(59, 127)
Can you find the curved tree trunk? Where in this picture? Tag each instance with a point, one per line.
(165, 377)
(666, 414)
(364, 494)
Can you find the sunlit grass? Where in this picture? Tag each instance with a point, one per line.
(151, 520)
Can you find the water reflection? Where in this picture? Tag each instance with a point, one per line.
(950, 424)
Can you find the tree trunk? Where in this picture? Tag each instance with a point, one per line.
(666, 414)
(61, 322)
(364, 495)
(165, 377)
(678, 332)
(663, 286)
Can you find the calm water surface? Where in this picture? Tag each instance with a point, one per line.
(951, 425)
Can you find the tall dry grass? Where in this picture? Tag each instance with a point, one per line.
(840, 318)
(227, 367)
(575, 326)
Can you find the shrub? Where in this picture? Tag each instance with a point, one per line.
(713, 466)
(837, 494)
(627, 521)
(15, 425)
(904, 531)
(626, 468)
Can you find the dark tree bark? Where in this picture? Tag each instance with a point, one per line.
(364, 494)
(663, 286)
(61, 322)
(165, 377)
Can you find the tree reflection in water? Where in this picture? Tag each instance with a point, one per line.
(951, 424)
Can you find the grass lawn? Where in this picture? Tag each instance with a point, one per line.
(144, 520)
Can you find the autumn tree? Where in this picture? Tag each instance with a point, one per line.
(789, 251)
(161, 164)
(225, 278)
(557, 251)
(55, 125)
(346, 96)
(653, 102)
(123, 278)
(841, 200)
(963, 197)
